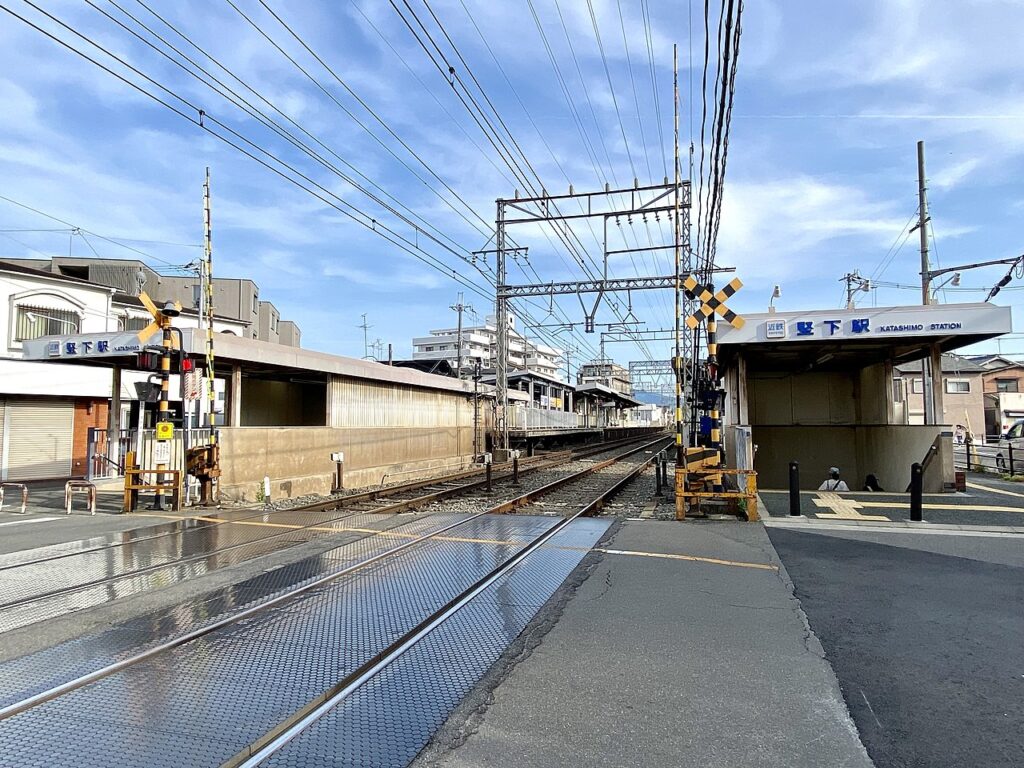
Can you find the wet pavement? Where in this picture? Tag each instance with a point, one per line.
(201, 702)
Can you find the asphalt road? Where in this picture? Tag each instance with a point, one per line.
(989, 501)
(926, 635)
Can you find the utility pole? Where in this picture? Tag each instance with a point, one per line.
(366, 338)
(922, 221)
(501, 363)
(459, 307)
(931, 367)
(678, 360)
(854, 282)
(207, 488)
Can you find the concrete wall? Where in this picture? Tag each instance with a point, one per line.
(388, 432)
(887, 451)
(298, 459)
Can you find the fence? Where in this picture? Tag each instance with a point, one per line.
(539, 418)
(103, 463)
(994, 455)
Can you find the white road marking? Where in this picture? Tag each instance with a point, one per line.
(33, 520)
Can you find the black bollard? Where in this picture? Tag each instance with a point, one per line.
(657, 476)
(515, 468)
(1009, 451)
(488, 477)
(794, 489)
(916, 484)
(664, 471)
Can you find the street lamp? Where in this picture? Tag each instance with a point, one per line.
(953, 280)
(776, 293)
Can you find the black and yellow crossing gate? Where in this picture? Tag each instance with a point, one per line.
(701, 477)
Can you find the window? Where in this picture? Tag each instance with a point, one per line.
(917, 386)
(129, 323)
(958, 386)
(34, 322)
(1007, 385)
(897, 390)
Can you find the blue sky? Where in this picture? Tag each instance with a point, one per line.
(830, 102)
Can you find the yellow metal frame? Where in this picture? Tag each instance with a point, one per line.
(708, 475)
(131, 489)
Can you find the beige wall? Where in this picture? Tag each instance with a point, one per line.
(967, 408)
(887, 451)
(818, 397)
(383, 429)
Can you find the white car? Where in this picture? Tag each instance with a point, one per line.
(1014, 438)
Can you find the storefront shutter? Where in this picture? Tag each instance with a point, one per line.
(39, 440)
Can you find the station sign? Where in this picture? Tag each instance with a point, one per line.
(83, 346)
(872, 323)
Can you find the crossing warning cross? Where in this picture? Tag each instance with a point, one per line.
(712, 302)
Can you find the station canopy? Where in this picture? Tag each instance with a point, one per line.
(848, 339)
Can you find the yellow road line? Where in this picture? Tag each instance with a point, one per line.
(690, 558)
(961, 507)
(470, 540)
(994, 490)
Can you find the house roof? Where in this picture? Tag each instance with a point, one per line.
(995, 362)
(950, 364)
(20, 269)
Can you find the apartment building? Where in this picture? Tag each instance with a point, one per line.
(233, 298)
(606, 373)
(480, 343)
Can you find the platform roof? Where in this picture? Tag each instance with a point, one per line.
(850, 338)
(256, 358)
(607, 393)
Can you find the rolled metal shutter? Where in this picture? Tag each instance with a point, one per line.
(3, 445)
(39, 440)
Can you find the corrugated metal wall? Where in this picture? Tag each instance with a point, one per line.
(355, 403)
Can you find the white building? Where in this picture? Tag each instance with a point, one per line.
(480, 342)
(47, 409)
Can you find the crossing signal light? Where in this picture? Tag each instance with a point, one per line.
(149, 361)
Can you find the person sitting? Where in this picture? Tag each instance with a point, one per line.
(833, 483)
(871, 484)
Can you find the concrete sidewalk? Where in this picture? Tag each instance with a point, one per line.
(685, 646)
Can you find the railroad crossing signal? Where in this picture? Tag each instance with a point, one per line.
(712, 302)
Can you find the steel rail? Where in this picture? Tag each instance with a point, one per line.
(338, 503)
(187, 637)
(400, 506)
(274, 740)
(345, 501)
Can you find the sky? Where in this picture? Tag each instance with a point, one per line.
(831, 99)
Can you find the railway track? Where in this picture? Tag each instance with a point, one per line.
(290, 663)
(56, 581)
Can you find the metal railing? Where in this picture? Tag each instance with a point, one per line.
(992, 455)
(104, 463)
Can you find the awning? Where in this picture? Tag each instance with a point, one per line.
(848, 338)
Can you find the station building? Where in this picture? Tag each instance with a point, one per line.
(818, 387)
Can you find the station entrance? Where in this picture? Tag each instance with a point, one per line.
(818, 388)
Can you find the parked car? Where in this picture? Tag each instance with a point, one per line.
(1014, 438)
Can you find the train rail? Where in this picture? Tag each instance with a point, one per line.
(55, 583)
(392, 600)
